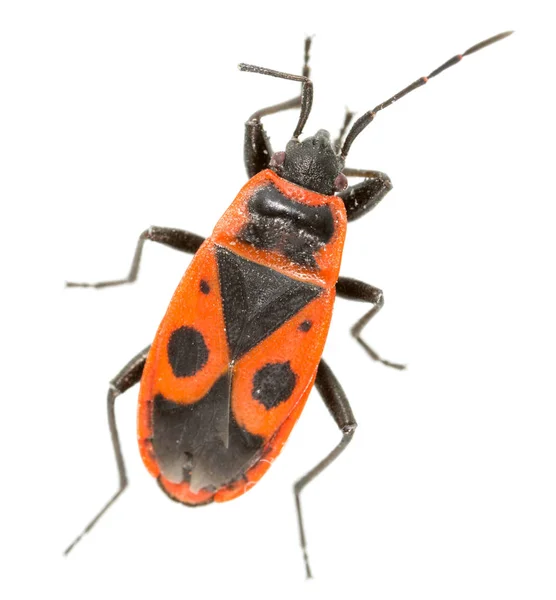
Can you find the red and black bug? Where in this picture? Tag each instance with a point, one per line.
(239, 349)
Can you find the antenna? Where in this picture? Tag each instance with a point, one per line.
(365, 119)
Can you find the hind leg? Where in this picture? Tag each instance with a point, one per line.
(337, 403)
(126, 378)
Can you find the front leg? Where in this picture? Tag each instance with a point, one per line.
(256, 147)
(353, 289)
(257, 150)
(362, 197)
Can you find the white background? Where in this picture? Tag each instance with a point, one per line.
(117, 115)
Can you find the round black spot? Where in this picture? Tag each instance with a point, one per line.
(187, 352)
(204, 287)
(306, 325)
(273, 384)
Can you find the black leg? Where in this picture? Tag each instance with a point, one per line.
(174, 238)
(362, 197)
(352, 289)
(257, 150)
(337, 403)
(126, 378)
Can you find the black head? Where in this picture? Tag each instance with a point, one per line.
(313, 164)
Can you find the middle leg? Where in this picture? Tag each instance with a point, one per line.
(178, 239)
(353, 289)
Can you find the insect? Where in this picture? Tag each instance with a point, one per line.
(240, 346)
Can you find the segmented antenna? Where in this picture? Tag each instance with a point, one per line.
(365, 119)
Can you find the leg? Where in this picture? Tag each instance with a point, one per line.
(257, 150)
(362, 197)
(126, 378)
(352, 289)
(174, 238)
(335, 399)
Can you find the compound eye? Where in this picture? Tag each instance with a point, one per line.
(277, 159)
(340, 183)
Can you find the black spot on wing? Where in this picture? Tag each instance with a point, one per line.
(306, 325)
(273, 384)
(257, 300)
(187, 351)
(204, 287)
(188, 445)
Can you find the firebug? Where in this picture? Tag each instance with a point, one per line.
(240, 346)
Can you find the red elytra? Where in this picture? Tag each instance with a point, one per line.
(289, 344)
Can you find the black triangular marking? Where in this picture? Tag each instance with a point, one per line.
(257, 300)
